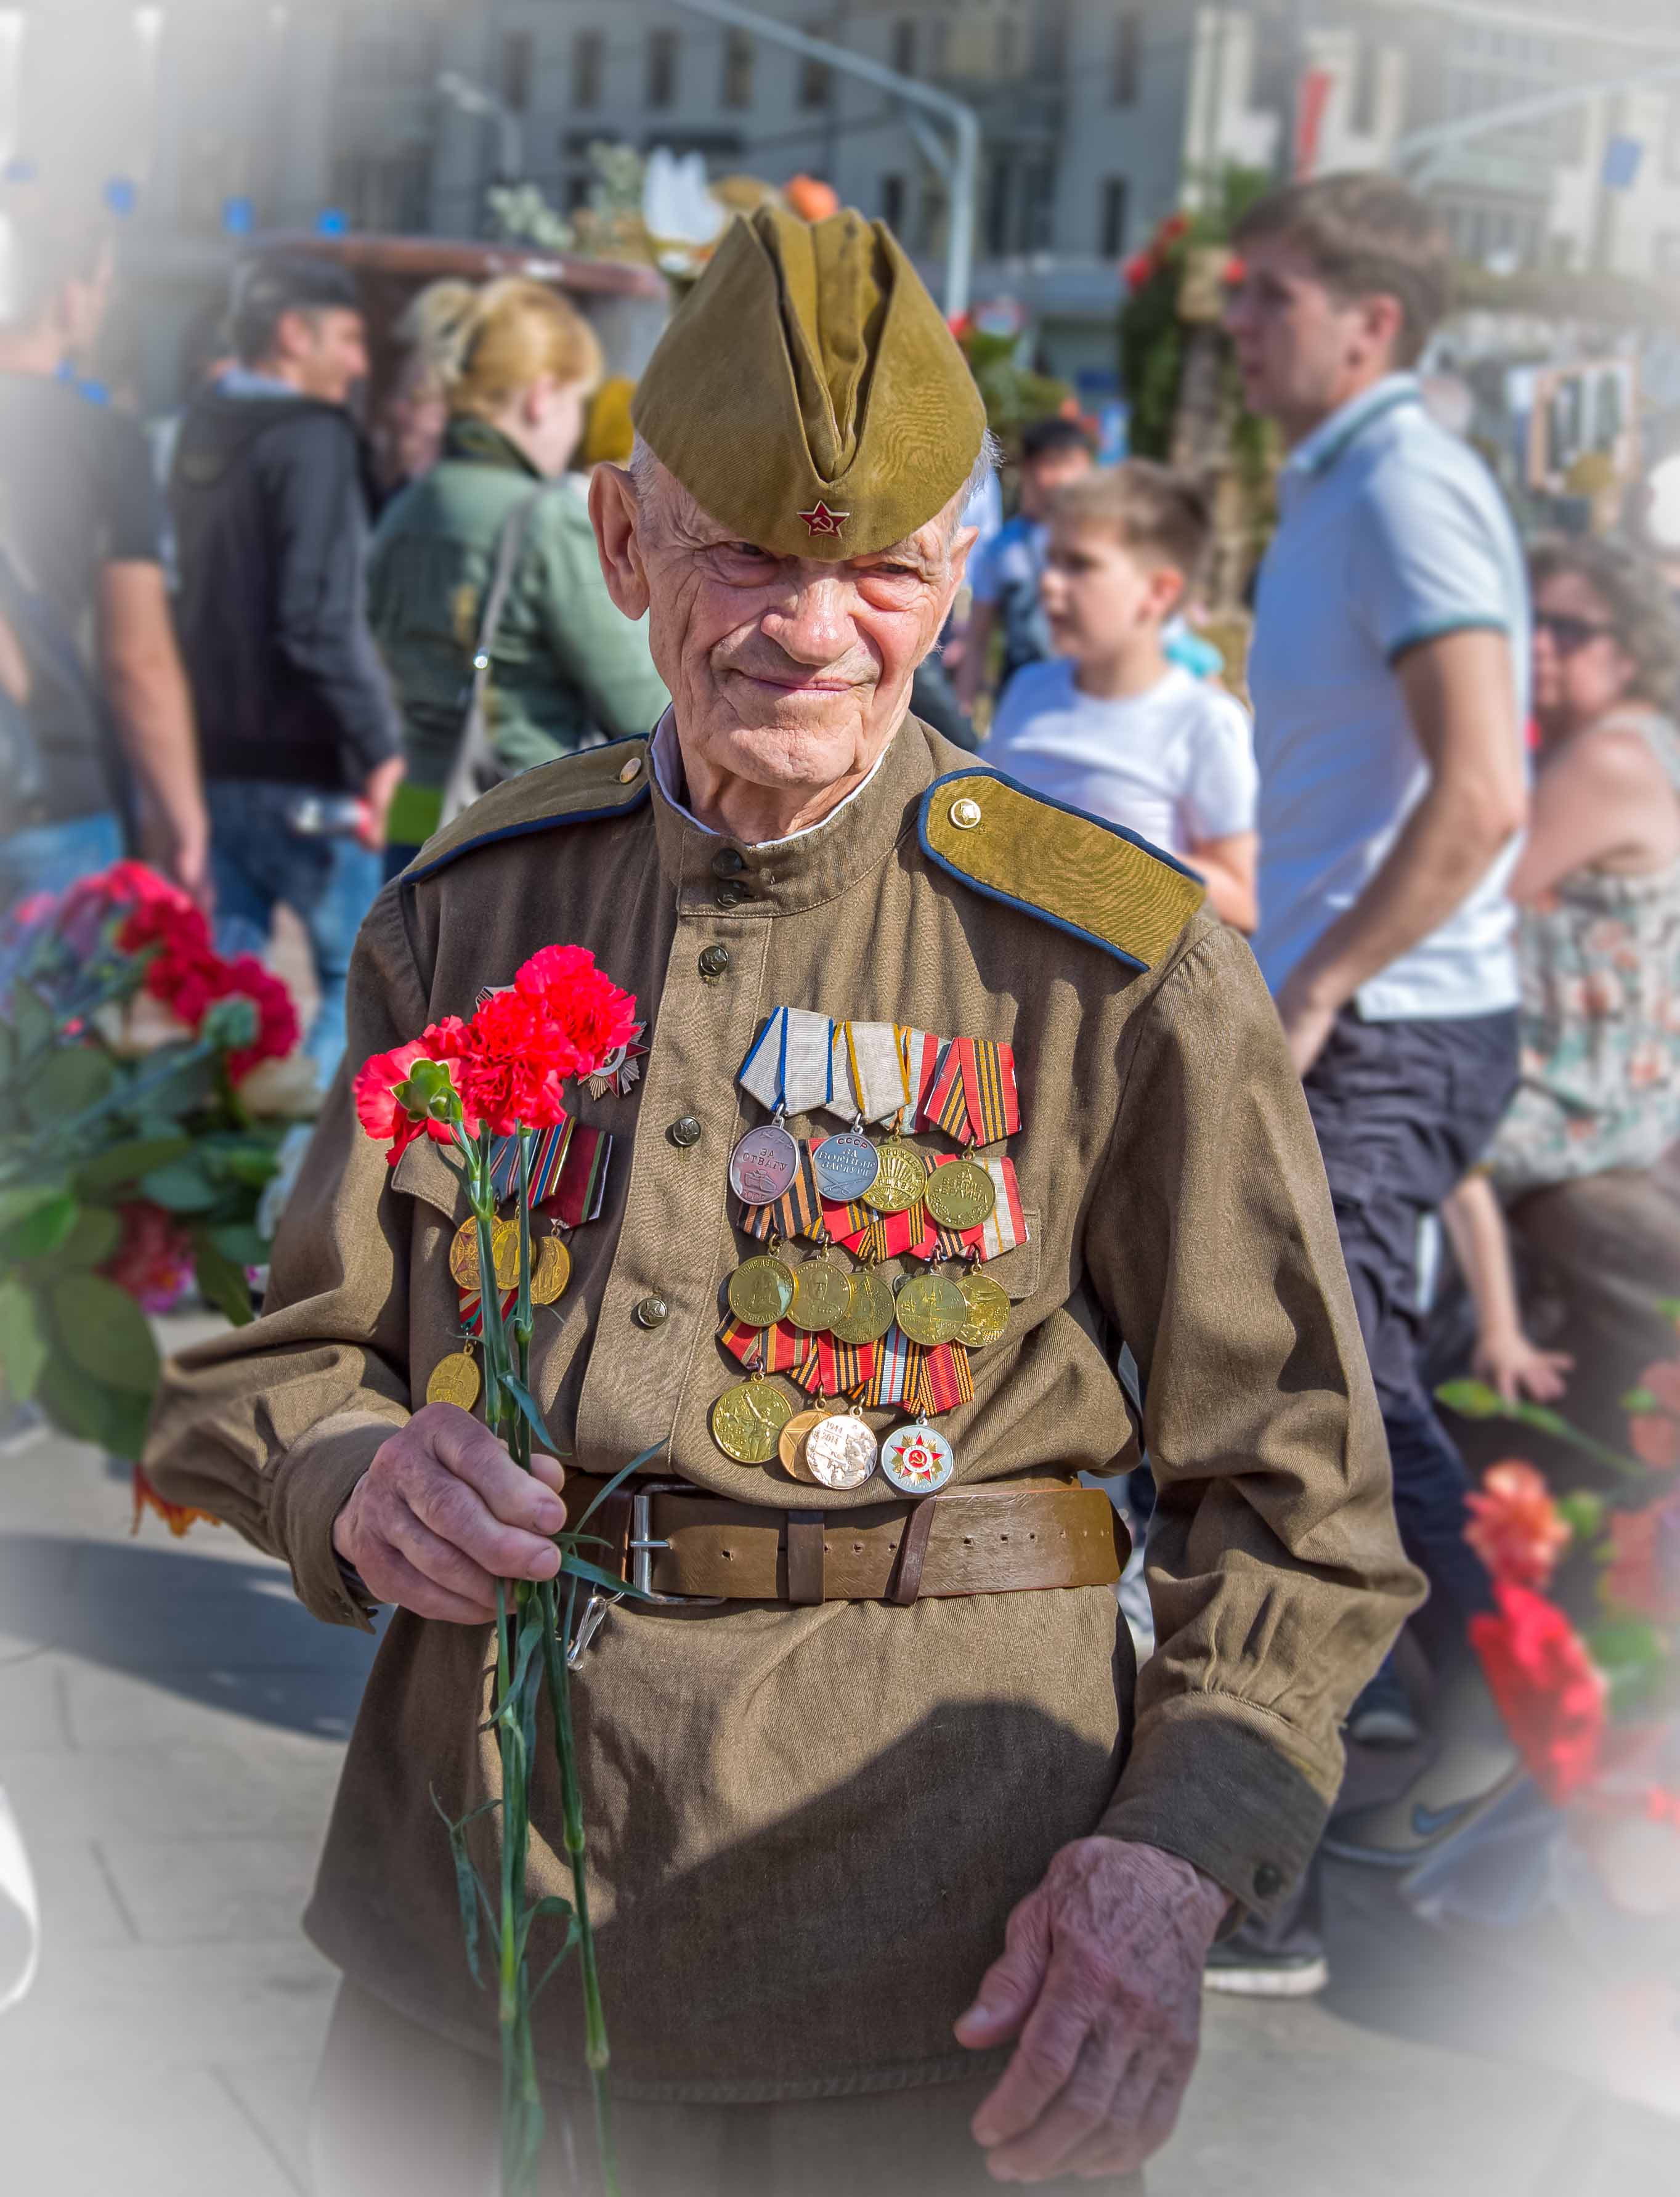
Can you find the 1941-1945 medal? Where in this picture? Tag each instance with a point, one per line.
(961, 1195)
(455, 1380)
(551, 1273)
(761, 1292)
(821, 1295)
(901, 1178)
(869, 1309)
(987, 1309)
(840, 1452)
(932, 1309)
(748, 1418)
(791, 1444)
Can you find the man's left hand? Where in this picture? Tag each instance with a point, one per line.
(1101, 1984)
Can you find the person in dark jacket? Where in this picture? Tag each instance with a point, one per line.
(294, 711)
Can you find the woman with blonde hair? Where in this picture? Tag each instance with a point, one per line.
(491, 555)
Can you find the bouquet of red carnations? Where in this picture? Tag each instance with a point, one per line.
(146, 1079)
(473, 1085)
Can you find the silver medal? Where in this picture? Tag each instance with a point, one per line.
(845, 1166)
(763, 1165)
(840, 1452)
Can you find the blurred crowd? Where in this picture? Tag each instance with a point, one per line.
(1442, 794)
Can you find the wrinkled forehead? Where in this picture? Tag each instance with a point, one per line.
(683, 520)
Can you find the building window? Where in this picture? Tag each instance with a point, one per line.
(892, 203)
(518, 65)
(816, 82)
(1123, 81)
(1112, 224)
(662, 59)
(903, 52)
(737, 88)
(384, 191)
(589, 52)
(999, 204)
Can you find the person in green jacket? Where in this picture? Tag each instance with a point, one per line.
(567, 670)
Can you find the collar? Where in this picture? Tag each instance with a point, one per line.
(1331, 436)
(783, 877)
(467, 437)
(241, 381)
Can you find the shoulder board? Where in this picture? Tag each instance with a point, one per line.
(577, 789)
(1101, 882)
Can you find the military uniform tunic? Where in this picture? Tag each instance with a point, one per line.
(808, 1824)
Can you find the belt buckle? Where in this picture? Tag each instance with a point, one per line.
(641, 1545)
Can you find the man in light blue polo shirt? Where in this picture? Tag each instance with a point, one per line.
(1389, 673)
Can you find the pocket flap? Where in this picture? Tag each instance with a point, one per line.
(423, 1171)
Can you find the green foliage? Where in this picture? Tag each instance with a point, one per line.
(122, 1165)
(41, 1232)
(24, 1348)
(101, 1328)
(222, 1281)
(1014, 395)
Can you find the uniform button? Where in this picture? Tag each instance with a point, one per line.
(652, 1312)
(631, 770)
(685, 1130)
(965, 813)
(715, 961)
(728, 862)
(731, 895)
(1268, 1880)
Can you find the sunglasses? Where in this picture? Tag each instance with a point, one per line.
(1569, 633)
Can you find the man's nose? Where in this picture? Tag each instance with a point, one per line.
(815, 627)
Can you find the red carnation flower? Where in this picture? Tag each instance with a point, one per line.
(1654, 1439)
(514, 1073)
(590, 1011)
(1137, 269)
(1175, 226)
(1515, 1527)
(374, 1088)
(1643, 1573)
(1663, 1381)
(154, 1259)
(1549, 1692)
(245, 977)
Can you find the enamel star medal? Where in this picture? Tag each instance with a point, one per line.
(917, 1460)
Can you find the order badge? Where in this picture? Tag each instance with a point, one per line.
(918, 1460)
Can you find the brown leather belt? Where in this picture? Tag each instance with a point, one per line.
(678, 1543)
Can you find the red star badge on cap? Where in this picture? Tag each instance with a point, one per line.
(820, 519)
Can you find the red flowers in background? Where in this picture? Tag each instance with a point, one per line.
(154, 1261)
(1548, 1689)
(1643, 1573)
(1517, 1528)
(508, 1067)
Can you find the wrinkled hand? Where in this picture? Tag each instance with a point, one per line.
(443, 1512)
(1101, 1984)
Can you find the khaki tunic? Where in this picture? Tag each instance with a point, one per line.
(808, 1824)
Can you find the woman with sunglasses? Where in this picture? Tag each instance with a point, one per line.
(1584, 1161)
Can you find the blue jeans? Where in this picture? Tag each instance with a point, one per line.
(1403, 1111)
(258, 861)
(52, 857)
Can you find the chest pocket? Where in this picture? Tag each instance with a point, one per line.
(423, 1171)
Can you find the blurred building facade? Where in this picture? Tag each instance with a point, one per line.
(1098, 117)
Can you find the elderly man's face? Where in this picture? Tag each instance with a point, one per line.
(788, 672)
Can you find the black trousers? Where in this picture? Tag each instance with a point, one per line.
(1404, 1110)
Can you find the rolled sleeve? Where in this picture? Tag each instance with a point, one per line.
(1274, 1565)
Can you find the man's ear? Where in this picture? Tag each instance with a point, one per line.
(615, 513)
(1383, 322)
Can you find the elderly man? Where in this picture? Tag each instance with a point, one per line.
(895, 1887)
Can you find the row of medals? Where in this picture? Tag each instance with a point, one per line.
(455, 1379)
(831, 1444)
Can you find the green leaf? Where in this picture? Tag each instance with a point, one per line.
(178, 1090)
(33, 1020)
(1582, 1513)
(24, 1198)
(1639, 1399)
(125, 1164)
(616, 1481)
(90, 1411)
(43, 1231)
(242, 1241)
(1670, 1308)
(182, 1187)
(527, 1403)
(90, 1242)
(222, 1281)
(580, 1567)
(71, 1081)
(23, 1344)
(1622, 1642)
(467, 1888)
(102, 1331)
(1472, 1399)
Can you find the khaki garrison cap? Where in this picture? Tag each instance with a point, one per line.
(807, 393)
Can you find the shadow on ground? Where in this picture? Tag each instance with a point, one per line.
(224, 1633)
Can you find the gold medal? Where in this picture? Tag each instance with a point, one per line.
(901, 1179)
(790, 1447)
(987, 1309)
(455, 1380)
(761, 1292)
(961, 1194)
(869, 1308)
(932, 1309)
(504, 1249)
(748, 1418)
(821, 1293)
(552, 1272)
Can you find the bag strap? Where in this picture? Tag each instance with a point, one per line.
(477, 749)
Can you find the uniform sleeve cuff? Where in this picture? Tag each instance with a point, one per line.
(310, 1488)
(1204, 1785)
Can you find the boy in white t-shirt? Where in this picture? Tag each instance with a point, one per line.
(1110, 725)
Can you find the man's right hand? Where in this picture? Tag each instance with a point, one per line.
(379, 791)
(443, 1512)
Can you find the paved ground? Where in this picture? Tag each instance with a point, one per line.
(171, 1726)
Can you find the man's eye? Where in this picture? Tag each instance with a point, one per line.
(748, 549)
